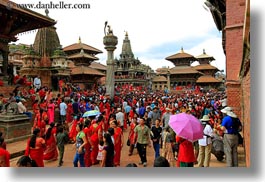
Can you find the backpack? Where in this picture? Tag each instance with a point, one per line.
(236, 125)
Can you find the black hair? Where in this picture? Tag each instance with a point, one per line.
(32, 142)
(87, 123)
(101, 142)
(109, 142)
(161, 162)
(49, 131)
(1, 141)
(81, 126)
(60, 129)
(115, 122)
(1, 134)
(100, 118)
(25, 160)
(111, 131)
(131, 165)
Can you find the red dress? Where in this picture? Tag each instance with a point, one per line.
(117, 146)
(186, 150)
(39, 123)
(51, 152)
(132, 133)
(37, 152)
(94, 128)
(69, 112)
(6, 155)
(50, 112)
(72, 134)
(87, 157)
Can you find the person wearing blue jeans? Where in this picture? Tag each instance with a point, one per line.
(155, 137)
(80, 158)
(81, 141)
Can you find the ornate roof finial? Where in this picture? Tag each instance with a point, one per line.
(182, 51)
(79, 40)
(82, 51)
(126, 33)
(204, 51)
(47, 12)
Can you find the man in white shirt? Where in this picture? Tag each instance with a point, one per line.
(63, 108)
(205, 144)
(22, 109)
(37, 83)
(120, 117)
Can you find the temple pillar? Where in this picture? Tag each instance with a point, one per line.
(5, 51)
(110, 41)
(168, 80)
(14, 70)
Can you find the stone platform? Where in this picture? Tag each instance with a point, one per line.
(15, 127)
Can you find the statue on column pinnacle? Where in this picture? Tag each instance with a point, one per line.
(109, 31)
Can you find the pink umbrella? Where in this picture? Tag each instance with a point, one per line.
(186, 126)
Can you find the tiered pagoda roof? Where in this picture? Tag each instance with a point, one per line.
(207, 79)
(159, 79)
(183, 70)
(84, 70)
(77, 47)
(204, 58)
(205, 67)
(181, 58)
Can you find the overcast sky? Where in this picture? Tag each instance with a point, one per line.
(156, 29)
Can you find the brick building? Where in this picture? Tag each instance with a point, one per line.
(233, 19)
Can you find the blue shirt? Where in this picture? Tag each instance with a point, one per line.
(127, 108)
(227, 122)
(63, 108)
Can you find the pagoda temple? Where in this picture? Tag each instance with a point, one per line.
(130, 70)
(209, 71)
(15, 20)
(82, 55)
(183, 75)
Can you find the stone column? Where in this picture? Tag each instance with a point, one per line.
(168, 80)
(5, 51)
(110, 41)
(14, 70)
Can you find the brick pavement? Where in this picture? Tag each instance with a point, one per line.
(125, 159)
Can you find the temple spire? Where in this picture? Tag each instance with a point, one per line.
(47, 12)
(181, 50)
(126, 47)
(79, 40)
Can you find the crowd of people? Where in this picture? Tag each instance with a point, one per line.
(99, 139)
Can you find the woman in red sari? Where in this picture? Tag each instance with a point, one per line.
(73, 132)
(50, 152)
(69, 112)
(95, 135)
(118, 142)
(88, 146)
(4, 158)
(35, 106)
(131, 135)
(39, 122)
(50, 112)
(35, 148)
(43, 105)
(32, 94)
(186, 157)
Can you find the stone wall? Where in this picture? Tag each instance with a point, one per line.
(238, 90)
(245, 100)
